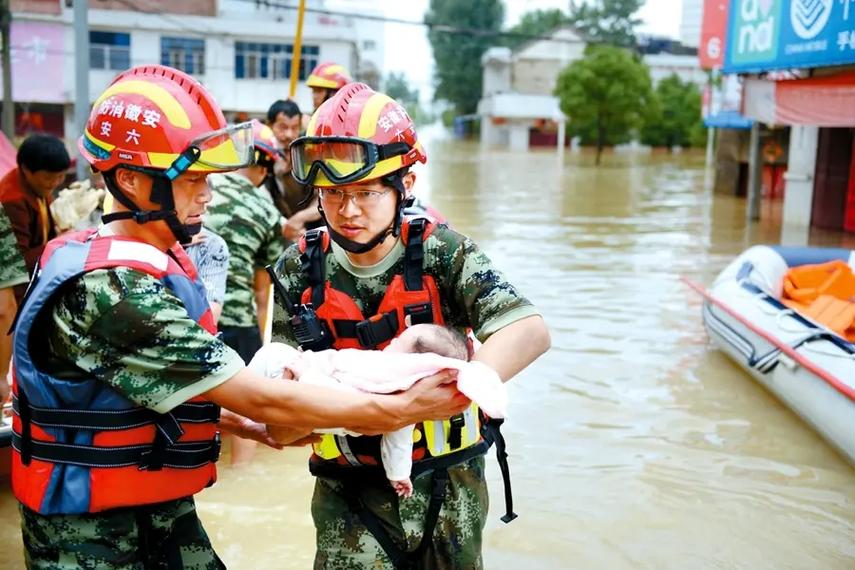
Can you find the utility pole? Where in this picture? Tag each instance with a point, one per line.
(8, 119)
(81, 77)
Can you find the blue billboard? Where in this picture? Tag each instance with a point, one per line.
(789, 34)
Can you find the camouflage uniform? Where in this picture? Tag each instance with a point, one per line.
(245, 217)
(128, 330)
(474, 294)
(12, 269)
(171, 531)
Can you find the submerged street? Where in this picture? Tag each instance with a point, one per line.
(633, 444)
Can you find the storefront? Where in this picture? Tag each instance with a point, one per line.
(797, 58)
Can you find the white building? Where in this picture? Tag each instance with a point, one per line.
(686, 67)
(690, 22)
(239, 50)
(518, 86)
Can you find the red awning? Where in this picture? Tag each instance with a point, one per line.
(818, 101)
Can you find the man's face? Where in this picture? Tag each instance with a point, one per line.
(286, 129)
(43, 182)
(192, 196)
(361, 222)
(190, 192)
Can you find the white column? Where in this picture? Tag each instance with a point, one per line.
(519, 136)
(562, 133)
(798, 195)
(755, 166)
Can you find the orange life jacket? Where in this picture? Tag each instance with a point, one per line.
(411, 298)
(78, 445)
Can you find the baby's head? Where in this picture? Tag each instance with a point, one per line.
(438, 339)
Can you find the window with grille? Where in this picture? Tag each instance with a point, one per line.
(109, 50)
(272, 61)
(186, 54)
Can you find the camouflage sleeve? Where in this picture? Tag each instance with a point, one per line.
(128, 330)
(480, 295)
(12, 269)
(274, 244)
(292, 279)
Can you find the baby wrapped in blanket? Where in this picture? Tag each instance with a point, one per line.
(420, 351)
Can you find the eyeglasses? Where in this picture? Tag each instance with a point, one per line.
(362, 198)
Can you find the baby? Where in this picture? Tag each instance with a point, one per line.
(420, 351)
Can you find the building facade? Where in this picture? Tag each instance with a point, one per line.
(517, 107)
(240, 50)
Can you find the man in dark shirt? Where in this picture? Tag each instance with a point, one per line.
(297, 203)
(25, 193)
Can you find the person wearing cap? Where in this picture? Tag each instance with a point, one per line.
(370, 274)
(325, 81)
(243, 214)
(117, 412)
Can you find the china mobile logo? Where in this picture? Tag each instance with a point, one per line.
(809, 17)
(757, 29)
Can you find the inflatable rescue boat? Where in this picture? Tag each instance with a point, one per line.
(787, 316)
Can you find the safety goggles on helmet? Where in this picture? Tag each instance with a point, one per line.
(342, 159)
(228, 148)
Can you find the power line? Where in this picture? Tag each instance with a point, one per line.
(481, 32)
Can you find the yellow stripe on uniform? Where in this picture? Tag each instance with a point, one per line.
(169, 105)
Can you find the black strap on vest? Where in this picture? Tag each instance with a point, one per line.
(414, 254)
(312, 265)
(401, 559)
(181, 455)
(101, 420)
(492, 433)
(379, 328)
(165, 451)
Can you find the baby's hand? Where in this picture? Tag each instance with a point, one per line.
(287, 374)
(403, 488)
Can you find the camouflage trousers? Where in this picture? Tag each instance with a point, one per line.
(344, 543)
(166, 535)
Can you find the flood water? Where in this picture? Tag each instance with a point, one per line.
(633, 443)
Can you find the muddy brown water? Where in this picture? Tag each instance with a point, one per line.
(633, 443)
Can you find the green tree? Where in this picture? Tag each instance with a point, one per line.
(674, 115)
(397, 87)
(605, 95)
(537, 23)
(458, 55)
(607, 21)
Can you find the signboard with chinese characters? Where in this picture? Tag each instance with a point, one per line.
(789, 34)
(38, 62)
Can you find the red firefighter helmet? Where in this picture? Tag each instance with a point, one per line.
(157, 117)
(358, 134)
(267, 147)
(329, 75)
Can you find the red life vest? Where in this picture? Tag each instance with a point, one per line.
(79, 446)
(411, 298)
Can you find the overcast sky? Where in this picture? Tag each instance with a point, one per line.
(660, 17)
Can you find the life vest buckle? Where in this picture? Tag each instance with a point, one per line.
(216, 447)
(377, 329)
(418, 313)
